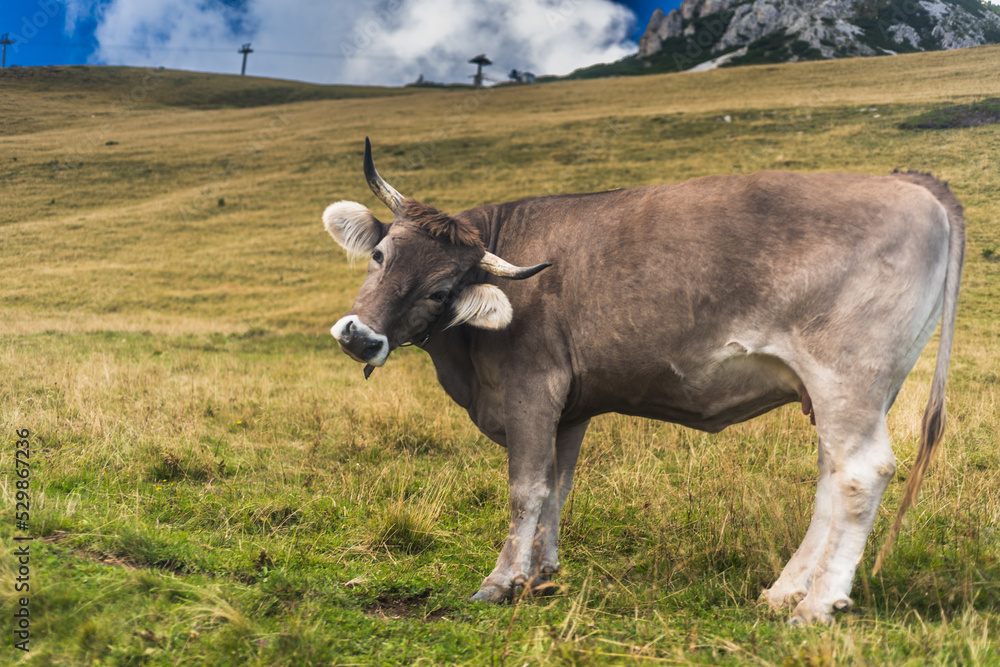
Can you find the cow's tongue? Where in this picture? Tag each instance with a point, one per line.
(368, 370)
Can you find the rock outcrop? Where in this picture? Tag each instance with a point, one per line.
(810, 29)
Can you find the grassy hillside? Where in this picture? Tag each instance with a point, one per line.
(159, 86)
(35, 98)
(215, 483)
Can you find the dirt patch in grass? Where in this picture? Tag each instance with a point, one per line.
(169, 565)
(59, 536)
(984, 112)
(107, 558)
(395, 606)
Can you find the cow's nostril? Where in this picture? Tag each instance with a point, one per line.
(359, 341)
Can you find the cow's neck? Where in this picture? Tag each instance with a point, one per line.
(474, 386)
(451, 353)
(488, 221)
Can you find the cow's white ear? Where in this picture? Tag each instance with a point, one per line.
(483, 306)
(354, 227)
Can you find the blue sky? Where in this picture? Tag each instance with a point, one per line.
(643, 9)
(386, 42)
(38, 29)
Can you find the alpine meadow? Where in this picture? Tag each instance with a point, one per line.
(213, 482)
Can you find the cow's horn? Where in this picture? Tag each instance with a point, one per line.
(382, 190)
(501, 267)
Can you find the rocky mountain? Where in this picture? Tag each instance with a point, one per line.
(702, 34)
(789, 30)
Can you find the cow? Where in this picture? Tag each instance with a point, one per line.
(703, 303)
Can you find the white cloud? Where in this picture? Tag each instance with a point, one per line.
(390, 42)
(76, 11)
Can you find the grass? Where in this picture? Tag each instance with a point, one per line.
(215, 483)
(162, 87)
(983, 112)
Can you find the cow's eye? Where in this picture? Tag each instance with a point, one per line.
(439, 297)
(377, 257)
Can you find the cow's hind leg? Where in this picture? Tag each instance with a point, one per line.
(797, 575)
(545, 550)
(861, 463)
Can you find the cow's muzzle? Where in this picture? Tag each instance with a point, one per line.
(360, 342)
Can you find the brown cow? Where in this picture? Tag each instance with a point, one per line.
(703, 303)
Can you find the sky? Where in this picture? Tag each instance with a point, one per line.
(370, 42)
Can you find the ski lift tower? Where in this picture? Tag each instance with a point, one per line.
(480, 60)
(245, 49)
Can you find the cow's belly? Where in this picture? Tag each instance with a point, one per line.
(736, 387)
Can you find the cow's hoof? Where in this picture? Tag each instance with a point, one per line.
(843, 605)
(541, 586)
(491, 594)
(777, 599)
(807, 614)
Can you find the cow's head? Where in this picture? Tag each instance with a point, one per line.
(420, 273)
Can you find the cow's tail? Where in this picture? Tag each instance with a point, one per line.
(934, 416)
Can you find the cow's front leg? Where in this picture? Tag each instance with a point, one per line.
(545, 551)
(530, 423)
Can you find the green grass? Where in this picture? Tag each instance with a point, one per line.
(983, 112)
(215, 483)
